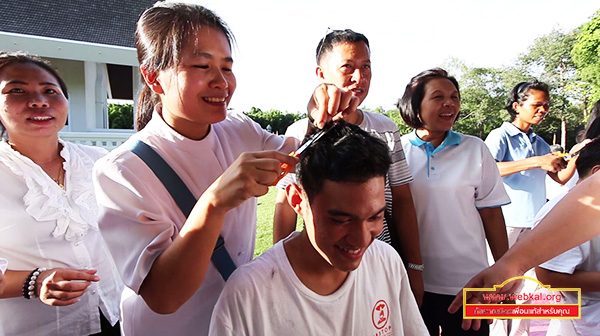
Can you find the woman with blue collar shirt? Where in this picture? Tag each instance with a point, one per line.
(457, 192)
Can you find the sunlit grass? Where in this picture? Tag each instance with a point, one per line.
(264, 224)
(264, 229)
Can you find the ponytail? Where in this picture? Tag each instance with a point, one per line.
(145, 107)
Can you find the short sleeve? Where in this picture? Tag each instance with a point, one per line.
(490, 192)
(568, 261)
(399, 173)
(496, 143)
(227, 309)
(138, 224)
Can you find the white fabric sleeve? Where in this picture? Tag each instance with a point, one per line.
(3, 265)
(228, 311)
(566, 262)
(490, 192)
(137, 223)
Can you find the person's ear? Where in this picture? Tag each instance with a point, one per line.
(595, 169)
(320, 74)
(151, 79)
(295, 197)
(515, 106)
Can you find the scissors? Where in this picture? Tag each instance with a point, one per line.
(285, 168)
(567, 156)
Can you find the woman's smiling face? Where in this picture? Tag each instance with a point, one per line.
(32, 103)
(196, 92)
(440, 105)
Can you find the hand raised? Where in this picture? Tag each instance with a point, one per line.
(551, 162)
(494, 275)
(248, 176)
(63, 286)
(329, 102)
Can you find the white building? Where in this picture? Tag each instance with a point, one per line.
(91, 44)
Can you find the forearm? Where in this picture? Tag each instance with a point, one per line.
(14, 283)
(284, 219)
(180, 269)
(405, 221)
(564, 175)
(495, 230)
(512, 167)
(566, 226)
(588, 281)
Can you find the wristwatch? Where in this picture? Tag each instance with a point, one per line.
(416, 267)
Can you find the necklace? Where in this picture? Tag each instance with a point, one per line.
(59, 178)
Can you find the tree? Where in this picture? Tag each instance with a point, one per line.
(586, 55)
(482, 98)
(549, 59)
(394, 115)
(278, 121)
(120, 116)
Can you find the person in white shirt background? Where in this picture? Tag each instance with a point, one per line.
(457, 192)
(334, 277)
(579, 267)
(61, 279)
(3, 264)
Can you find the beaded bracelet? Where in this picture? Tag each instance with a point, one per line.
(29, 284)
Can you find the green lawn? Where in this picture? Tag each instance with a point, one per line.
(264, 229)
(264, 224)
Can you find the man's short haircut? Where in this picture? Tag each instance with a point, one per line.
(338, 36)
(520, 93)
(588, 158)
(345, 153)
(410, 103)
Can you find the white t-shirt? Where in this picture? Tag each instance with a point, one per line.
(585, 257)
(3, 265)
(139, 219)
(450, 183)
(265, 297)
(380, 127)
(43, 225)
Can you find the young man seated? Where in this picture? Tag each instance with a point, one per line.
(579, 267)
(333, 278)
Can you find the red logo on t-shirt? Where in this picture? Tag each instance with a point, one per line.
(380, 314)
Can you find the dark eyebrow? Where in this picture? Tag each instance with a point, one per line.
(346, 214)
(199, 53)
(20, 82)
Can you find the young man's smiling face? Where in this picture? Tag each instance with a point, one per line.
(343, 219)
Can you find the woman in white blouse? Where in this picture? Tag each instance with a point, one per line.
(61, 279)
